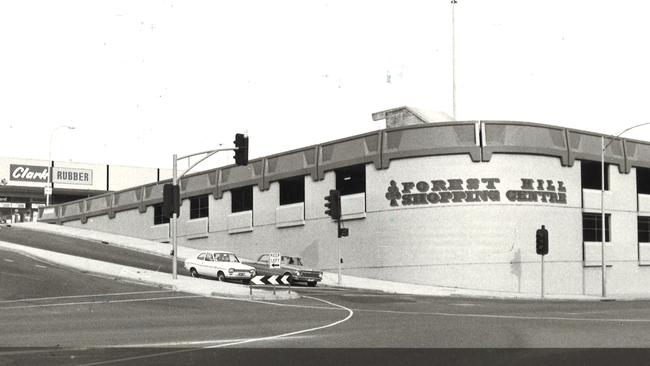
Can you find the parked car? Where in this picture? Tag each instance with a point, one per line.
(222, 265)
(289, 265)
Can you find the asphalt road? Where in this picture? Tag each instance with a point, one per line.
(56, 314)
(88, 249)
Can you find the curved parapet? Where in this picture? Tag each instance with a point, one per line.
(290, 164)
(428, 140)
(234, 176)
(524, 138)
(353, 150)
(637, 154)
(587, 146)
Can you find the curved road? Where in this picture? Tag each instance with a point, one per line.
(60, 309)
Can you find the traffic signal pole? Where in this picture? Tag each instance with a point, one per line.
(339, 249)
(173, 224)
(241, 158)
(542, 276)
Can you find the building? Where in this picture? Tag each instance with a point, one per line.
(451, 204)
(23, 182)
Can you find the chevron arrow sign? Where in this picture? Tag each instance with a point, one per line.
(271, 280)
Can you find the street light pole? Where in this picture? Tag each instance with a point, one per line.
(602, 203)
(453, 57)
(49, 158)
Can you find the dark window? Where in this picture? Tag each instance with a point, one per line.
(198, 207)
(158, 218)
(643, 180)
(590, 172)
(292, 190)
(242, 199)
(592, 227)
(644, 229)
(351, 180)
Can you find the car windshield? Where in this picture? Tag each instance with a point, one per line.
(292, 261)
(226, 257)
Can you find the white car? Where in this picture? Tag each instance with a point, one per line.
(222, 265)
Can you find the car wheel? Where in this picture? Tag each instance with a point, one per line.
(246, 282)
(311, 284)
(194, 273)
(221, 276)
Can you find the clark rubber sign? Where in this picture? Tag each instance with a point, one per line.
(473, 190)
(28, 173)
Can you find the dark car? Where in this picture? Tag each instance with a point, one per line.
(291, 266)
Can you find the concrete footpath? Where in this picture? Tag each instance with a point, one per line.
(329, 279)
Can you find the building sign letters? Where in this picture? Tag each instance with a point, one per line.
(473, 190)
(72, 176)
(28, 173)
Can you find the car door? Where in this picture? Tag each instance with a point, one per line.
(262, 265)
(209, 265)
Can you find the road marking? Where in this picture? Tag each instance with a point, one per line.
(9, 260)
(520, 317)
(22, 276)
(465, 304)
(236, 343)
(39, 266)
(100, 302)
(80, 296)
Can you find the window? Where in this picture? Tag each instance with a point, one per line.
(209, 257)
(644, 229)
(643, 180)
(590, 172)
(242, 199)
(592, 227)
(292, 190)
(201, 256)
(351, 180)
(198, 207)
(158, 218)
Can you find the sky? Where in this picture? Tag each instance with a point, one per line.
(142, 80)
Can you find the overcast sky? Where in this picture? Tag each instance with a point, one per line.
(141, 80)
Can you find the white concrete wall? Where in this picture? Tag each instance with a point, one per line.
(482, 245)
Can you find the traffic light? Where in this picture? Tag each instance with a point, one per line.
(241, 154)
(542, 241)
(171, 200)
(333, 204)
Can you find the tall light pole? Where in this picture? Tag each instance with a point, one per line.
(49, 158)
(602, 202)
(453, 57)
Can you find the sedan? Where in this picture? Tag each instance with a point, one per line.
(290, 265)
(222, 265)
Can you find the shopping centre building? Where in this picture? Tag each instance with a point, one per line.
(446, 203)
(23, 182)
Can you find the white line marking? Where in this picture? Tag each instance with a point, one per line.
(350, 313)
(8, 260)
(21, 276)
(521, 317)
(465, 304)
(101, 302)
(39, 266)
(79, 296)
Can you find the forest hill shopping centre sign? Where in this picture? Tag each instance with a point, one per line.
(473, 190)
